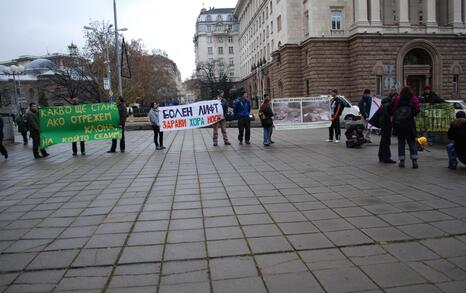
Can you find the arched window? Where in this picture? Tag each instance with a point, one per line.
(208, 18)
(417, 57)
(219, 17)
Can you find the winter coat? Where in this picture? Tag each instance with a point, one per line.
(365, 106)
(242, 108)
(267, 120)
(154, 117)
(32, 119)
(432, 98)
(123, 114)
(22, 123)
(457, 133)
(409, 128)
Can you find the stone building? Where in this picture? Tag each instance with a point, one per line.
(216, 43)
(295, 48)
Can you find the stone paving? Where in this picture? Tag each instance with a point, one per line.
(300, 216)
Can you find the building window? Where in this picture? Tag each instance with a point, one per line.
(271, 7)
(230, 17)
(209, 28)
(308, 87)
(210, 51)
(271, 27)
(230, 39)
(306, 23)
(230, 27)
(221, 62)
(231, 61)
(209, 40)
(336, 19)
(220, 39)
(219, 17)
(456, 78)
(378, 85)
(220, 50)
(230, 50)
(211, 60)
(209, 18)
(279, 23)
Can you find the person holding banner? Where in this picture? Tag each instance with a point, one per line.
(365, 109)
(32, 118)
(74, 145)
(266, 115)
(222, 123)
(122, 111)
(154, 120)
(337, 109)
(242, 111)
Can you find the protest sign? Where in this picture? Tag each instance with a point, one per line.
(435, 117)
(190, 116)
(67, 124)
(375, 105)
(302, 113)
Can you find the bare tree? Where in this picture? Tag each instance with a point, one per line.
(212, 77)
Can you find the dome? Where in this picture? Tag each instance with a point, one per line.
(39, 65)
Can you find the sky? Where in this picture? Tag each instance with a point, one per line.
(35, 27)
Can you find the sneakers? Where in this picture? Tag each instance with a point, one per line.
(266, 144)
(158, 148)
(337, 141)
(248, 142)
(162, 147)
(329, 140)
(271, 142)
(227, 143)
(75, 154)
(390, 161)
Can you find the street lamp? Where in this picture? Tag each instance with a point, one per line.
(117, 49)
(16, 70)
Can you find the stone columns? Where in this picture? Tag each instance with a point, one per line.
(361, 12)
(375, 13)
(403, 14)
(431, 15)
(454, 15)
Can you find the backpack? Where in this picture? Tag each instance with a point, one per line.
(403, 114)
(261, 115)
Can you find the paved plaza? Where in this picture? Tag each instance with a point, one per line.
(300, 216)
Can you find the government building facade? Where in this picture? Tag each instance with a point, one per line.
(295, 48)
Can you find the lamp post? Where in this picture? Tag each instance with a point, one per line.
(16, 70)
(117, 49)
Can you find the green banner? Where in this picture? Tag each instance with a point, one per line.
(435, 117)
(67, 124)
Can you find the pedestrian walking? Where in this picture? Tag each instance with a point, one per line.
(222, 123)
(242, 111)
(405, 108)
(266, 117)
(154, 121)
(32, 118)
(365, 109)
(336, 110)
(266, 96)
(457, 132)
(74, 145)
(21, 122)
(122, 111)
(382, 120)
(3, 150)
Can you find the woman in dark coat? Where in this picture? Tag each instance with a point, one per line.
(266, 115)
(385, 122)
(405, 108)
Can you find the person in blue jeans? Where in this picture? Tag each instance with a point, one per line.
(266, 117)
(457, 132)
(242, 109)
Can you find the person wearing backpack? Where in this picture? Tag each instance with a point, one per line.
(265, 115)
(405, 107)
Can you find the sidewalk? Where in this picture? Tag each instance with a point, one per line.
(300, 216)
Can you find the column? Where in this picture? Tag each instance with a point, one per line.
(361, 12)
(403, 15)
(454, 14)
(430, 12)
(375, 12)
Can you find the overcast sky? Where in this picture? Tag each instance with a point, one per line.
(35, 27)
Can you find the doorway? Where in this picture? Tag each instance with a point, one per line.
(416, 83)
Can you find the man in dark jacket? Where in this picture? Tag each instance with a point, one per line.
(385, 125)
(32, 118)
(430, 96)
(222, 123)
(122, 111)
(22, 127)
(457, 133)
(74, 145)
(336, 108)
(365, 109)
(3, 150)
(242, 110)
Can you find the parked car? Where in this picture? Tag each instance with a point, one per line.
(459, 105)
(350, 112)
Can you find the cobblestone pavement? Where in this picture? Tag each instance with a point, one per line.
(300, 216)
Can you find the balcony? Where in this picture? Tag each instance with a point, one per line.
(337, 33)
